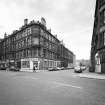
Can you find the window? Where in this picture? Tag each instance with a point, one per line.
(16, 45)
(44, 34)
(41, 40)
(29, 41)
(24, 33)
(17, 55)
(19, 45)
(104, 38)
(19, 36)
(35, 41)
(53, 39)
(22, 43)
(50, 46)
(44, 52)
(47, 44)
(34, 52)
(35, 30)
(28, 53)
(104, 17)
(50, 37)
(41, 32)
(22, 54)
(29, 31)
(25, 42)
(25, 53)
(47, 36)
(101, 2)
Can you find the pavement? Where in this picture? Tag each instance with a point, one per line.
(91, 75)
(84, 74)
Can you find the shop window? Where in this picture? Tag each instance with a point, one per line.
(25, 64)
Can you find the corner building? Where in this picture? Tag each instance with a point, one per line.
(98, 39)
(33, 44)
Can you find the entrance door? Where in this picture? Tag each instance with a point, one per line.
(98, 68)
(98, 64)
(36, 65)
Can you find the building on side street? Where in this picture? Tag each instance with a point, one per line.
(34, 44)
(98, 39)
(84, 62)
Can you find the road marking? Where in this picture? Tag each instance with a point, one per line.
(68, 85)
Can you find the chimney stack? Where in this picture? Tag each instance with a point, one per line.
(5, 35)
(25, 21)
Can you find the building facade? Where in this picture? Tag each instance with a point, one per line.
(33, 44)
(98, 39)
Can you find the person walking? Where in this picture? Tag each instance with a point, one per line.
(34, 68)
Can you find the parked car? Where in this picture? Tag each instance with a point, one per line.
(2, 68)
(54, 68)
(13, 68)
(83, 68)
(58, 68)
(51, 69)
(77, 69)
(62, 68)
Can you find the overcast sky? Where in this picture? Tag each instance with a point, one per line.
(71, 20)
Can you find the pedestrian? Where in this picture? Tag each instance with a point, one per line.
(34, 68)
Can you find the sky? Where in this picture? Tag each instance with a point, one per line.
(71, 20)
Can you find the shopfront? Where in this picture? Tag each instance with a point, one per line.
(40, 64)
(29, 63)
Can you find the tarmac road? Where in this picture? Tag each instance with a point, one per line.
(50, 88)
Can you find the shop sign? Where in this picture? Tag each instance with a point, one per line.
(11, 60)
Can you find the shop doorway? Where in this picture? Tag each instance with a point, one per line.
(97, 63)
(36, 65)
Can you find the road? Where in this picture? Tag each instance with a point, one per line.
(50, 88)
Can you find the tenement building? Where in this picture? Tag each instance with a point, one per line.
(98, 39)
(33, 44)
